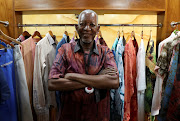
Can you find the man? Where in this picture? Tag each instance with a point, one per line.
(80, 66)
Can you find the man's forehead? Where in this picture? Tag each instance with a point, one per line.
(86, 14)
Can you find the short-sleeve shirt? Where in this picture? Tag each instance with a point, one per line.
(77, 105)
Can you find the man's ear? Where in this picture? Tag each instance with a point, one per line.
(98, 27)
(76, 27)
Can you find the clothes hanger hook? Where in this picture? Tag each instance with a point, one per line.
(25, 28)
(49, 27)
(36, 28)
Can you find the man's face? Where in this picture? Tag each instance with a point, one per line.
(87, 27)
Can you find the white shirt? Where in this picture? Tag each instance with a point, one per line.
(141, 79)
(42, 97)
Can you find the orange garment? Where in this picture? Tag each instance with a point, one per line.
(130, 96)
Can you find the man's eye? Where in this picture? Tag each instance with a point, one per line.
(92, 25)
(82, 24)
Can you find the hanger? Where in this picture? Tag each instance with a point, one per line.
(142, 33)
(176, 30)
(36, 33)
(9, 38)
(65, 32)
(75, 34)
(122, 33)
(7, 42)
(50, 32)
(100, 34)
(118, 34)
(150, 35)
(26, 33)
(133, 34)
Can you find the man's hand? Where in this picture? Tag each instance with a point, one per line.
(109, 71)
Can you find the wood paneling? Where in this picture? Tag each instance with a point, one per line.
(7, 14)
(18, 20)
(172, 13)
(133, 5)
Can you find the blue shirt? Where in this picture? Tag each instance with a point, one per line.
(8, 109)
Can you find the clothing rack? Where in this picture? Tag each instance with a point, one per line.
(173, 24)
(6, 23)
(124, 25)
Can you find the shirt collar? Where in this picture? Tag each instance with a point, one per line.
(78, 47)
(50, 39)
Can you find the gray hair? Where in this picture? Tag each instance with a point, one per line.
(88, 11)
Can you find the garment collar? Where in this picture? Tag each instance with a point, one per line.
(78, 47)
(50, 39)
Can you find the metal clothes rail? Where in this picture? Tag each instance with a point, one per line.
(173, 24)
(124, 25)
(6, 23)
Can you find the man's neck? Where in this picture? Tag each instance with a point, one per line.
(86, 46)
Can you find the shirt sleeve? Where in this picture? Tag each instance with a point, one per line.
(59, 67)
(109, 59)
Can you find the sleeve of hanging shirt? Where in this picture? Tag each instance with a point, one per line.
(140, 79)
(40, 106)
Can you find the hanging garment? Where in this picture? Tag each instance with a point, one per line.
(23, 102)
(169, 87)
(174, 102)
(8, 109)
(150, 78)
(159, 81)
(28, 53)
(72, 40)
(102, 41)
(130, 96)
(163, 63)
(4, 88)
(141, 80)
(112, 91)
(43, 99)
(119, 93)
(21, 38)
(63, 41)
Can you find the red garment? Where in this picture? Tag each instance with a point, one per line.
(77, 105)
(130, 95)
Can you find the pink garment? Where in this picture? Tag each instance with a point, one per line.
(72, 40)
(28, 53)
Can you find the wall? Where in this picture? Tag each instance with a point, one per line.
(109, 33)
(7, 14)
(145, 5)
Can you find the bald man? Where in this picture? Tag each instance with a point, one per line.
(79, 69)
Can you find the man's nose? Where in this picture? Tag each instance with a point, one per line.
(87, 27)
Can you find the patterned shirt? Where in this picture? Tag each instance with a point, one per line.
(130, 96)
(119, 93)
(77, 105)
(150, 78)
(164, 61)
(174, 104)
